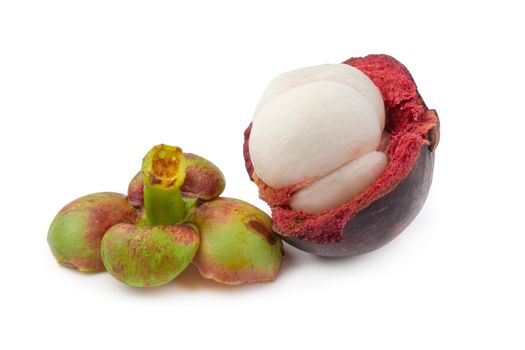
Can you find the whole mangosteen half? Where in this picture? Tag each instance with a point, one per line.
(343, 154)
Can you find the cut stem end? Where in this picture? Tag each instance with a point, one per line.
(164, 170)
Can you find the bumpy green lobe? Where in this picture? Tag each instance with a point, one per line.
(77, 230)
(136, 190)
(148, 256)
(237, 242)
(203, 180)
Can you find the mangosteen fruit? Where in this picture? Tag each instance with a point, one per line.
(343, 154)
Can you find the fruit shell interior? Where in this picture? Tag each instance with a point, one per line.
(414, 133)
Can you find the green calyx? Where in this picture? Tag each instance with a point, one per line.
(164, 170)
(159, 246)
(171, 217)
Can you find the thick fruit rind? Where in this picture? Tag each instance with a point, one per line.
(384, 219)
(148, 256)
(383, 210)
(204, 180)
(237, 243)
(77, 230)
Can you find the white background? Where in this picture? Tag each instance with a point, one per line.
(87, 87)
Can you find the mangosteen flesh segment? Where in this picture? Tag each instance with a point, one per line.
(354, 221)
(343, 183)
(321, 126)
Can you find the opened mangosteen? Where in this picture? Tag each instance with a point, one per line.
(343, 154)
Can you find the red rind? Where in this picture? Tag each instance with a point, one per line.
(412, 127)
(246, 151)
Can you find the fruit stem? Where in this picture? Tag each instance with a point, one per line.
(164, 169)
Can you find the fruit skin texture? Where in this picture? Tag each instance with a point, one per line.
(237, 243)
(148, 256)
(204, 180)
(382, 211)
(136, 190)
(77, 230)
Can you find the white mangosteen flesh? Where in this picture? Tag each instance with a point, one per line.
(339, 186)
(321, 125)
